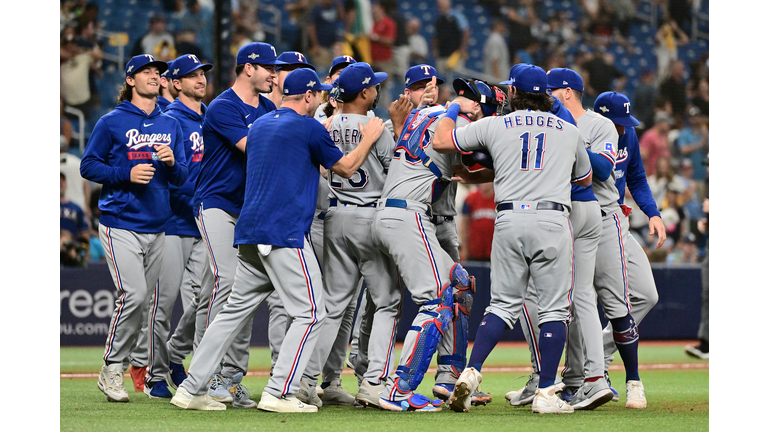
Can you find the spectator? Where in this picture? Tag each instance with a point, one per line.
(240, 38)
(75, 71)
(496, 52)
(358, 22)
(686, 252)
(701, 99)
(246, 16)
(419, 49)
(693, 143)
(400, 48)
(679, 12)
(654, 143)
(294, 32)
(199, 19)
(186, 43)
(75, 231)
(324, 29)
(599, 74)
(178, 15)
(673, 89)
(450, 41)
(478, 218)
(694, 190)
(65, 126)
(674, 216)
(155, 40)
(668, 38)
(520, 18)
(702, 349)
(664, 176)
(623, 12)
(382, 38)
(557, 34)
(646, 94)
(78, 189)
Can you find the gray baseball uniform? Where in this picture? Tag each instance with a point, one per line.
(349, 253)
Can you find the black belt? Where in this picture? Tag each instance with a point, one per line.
(441, 219)
(542, 205)
(335, 203)
(602, 213)
(321, 215)
(401, 203)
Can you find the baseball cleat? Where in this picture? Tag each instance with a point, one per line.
(111, 383)
(443, 391)
(696, 351)
(319, 390)
(157, 390)
(568, 393)
(369, 394)
(219, 390)
(480, 397)
(335, 394)
(240, 394)
(287, 404)
(308, 394)
(351, 361)
(546, 401)
(415, 402)
(591, 395)
(613, 390)
(138, 374)
(185, 400)
(176, 374)
(636, 395)
(466, 386)
(525, 395)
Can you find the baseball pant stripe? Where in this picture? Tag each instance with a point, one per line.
(216, 277)
(573, 272)
(311, 296)
(623, 256)
(385, 371)
(430, 255)
(534, 342)
(111, 251)
(155, 303)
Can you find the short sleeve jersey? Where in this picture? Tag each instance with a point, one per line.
(285, 151)
(365, 186)
(602, 139)
(536, 155)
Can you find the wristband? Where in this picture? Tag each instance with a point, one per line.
(453, 112)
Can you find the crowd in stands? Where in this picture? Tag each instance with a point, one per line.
(670, 97)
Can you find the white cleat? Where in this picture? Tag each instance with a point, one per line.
(288, 404)
(111, 383)
(636, 395)
(185, 400)
(466, 386)
(545, 401)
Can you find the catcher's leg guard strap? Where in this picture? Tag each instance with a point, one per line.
(412, 373)
(458, 360)
(461, 279)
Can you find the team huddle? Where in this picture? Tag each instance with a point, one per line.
(272, 195)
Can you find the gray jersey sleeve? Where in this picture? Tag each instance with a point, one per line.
(581, 167)
(601, 138)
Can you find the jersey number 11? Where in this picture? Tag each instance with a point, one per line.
(540, 140)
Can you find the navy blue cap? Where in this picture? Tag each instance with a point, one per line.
(141, 61)
(258, 53)
(340, 61)
(301, 80)
(484, 95)
(616, 107)
(512, 72)
(357, 77)
(420, 73)
(294, 58)
(186, 64)
(564, 78)
(529, 78)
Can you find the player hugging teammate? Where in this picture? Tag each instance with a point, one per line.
(366, 209)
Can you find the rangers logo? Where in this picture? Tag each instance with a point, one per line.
(193, 58)
(197, 145)
(137, 140)
(627, 106)
(621, 155)
(425, 69)
(300, 57)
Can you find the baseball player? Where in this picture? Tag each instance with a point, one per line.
(165, 97)
(418, 176)
(631, 173)
(135, 151)
(610, 278)
(532, 235)
(184, 256)
(274, 252)
(219, 197)
(337, 65)
(349, 252)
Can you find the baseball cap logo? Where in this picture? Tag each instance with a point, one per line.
(367, 80)
(311, 83)
(175, 71)
(130, 68)
(149, 57)
(253, 56)
(565, 82)
(407, 80)
(604, 109)
(348, 59)
(536, 88)
(425, 69)
(300, 56)
(273, 51)
(193, 58)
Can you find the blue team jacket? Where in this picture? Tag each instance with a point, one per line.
(631, 173)
(122, 139)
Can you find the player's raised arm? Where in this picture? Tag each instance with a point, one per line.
(349, 163)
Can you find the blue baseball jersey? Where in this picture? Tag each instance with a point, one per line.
(631, 173)
(122, 139)
(182, 221)
(285, 150)
(163, 103)
(578, 193)
(221, 183)
(72, 218)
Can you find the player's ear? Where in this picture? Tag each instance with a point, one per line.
(130, 81)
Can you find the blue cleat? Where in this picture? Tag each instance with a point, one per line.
(415, 402)
(176, 374)
(157, 390)
(568, 393)
(443, 391)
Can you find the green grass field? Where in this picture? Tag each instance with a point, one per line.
(677, 389)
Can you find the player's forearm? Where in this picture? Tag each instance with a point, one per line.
(99, 172)
(601, 165)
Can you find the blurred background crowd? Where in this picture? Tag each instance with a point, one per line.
(654, 51)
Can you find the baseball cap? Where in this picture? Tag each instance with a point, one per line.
(530, 78)
(616, 107)
(143, 60)
(186, 64)
(357, 77)
(564, 78)
(512, 72)
(339, 62)
(166, 74)
(294, 58)
(258, 53)
(477, 91)
(301, 80)
(420, 73)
